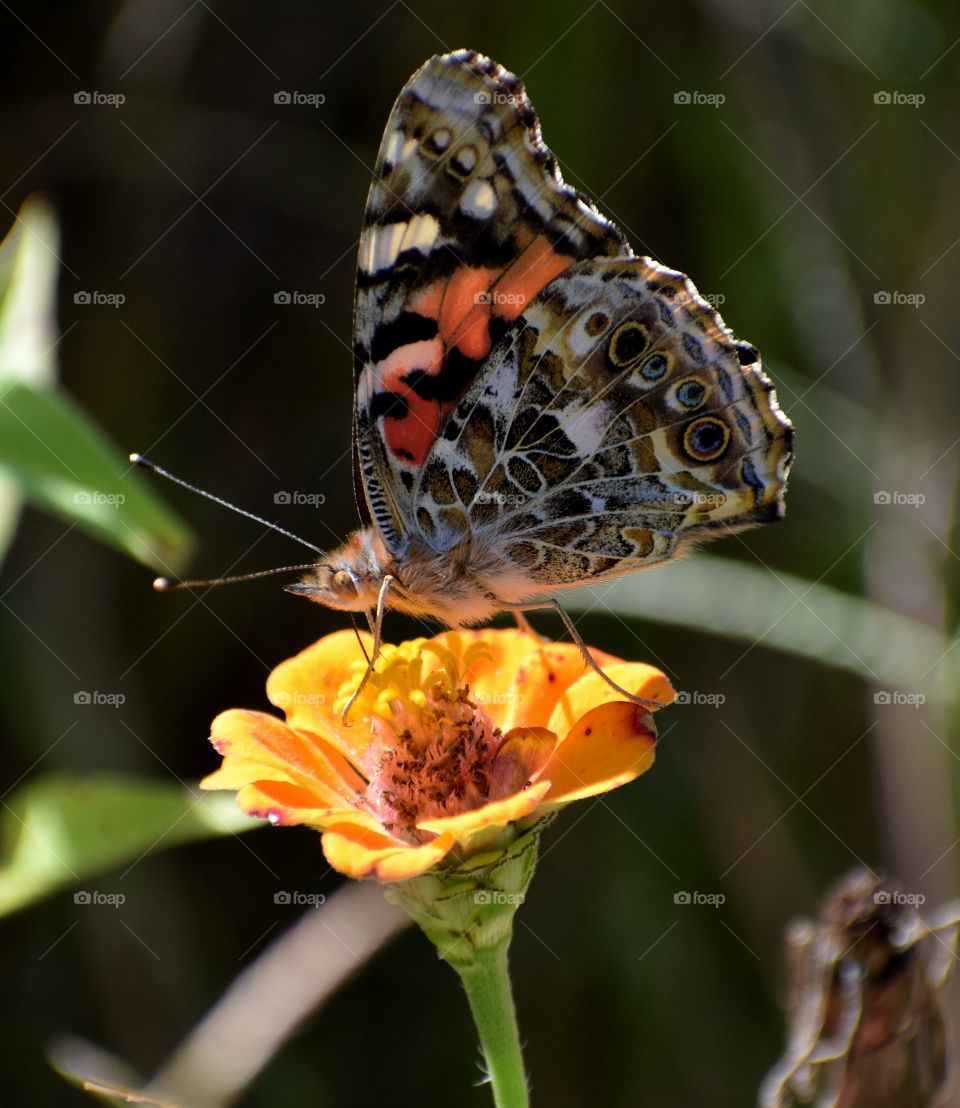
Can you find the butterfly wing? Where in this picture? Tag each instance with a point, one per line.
(615, 423)
(467, 220)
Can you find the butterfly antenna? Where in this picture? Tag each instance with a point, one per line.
(164, 584)
(140, 460)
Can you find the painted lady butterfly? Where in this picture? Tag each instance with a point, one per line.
(536, 407)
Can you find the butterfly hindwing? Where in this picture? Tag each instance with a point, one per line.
(616, 421)
(467, 220)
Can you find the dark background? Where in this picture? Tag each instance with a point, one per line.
(798, 199)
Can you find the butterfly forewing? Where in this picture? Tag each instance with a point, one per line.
(467, 220)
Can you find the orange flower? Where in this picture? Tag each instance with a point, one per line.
(453, 741)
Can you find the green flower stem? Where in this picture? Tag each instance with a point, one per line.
(466, 910)
(487, 984)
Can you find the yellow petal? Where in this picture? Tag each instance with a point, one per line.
(519, 680)
(591, 690)
(362, 852)
(496, 814)
(306, 686)
(610, 745)
(255, 739)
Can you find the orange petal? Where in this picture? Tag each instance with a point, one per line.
(255, 739)
(521, 757)
(287, 805)
(362, 852)
(611, 745)
(591, 690)
(496, 814)
(520, 680)
(306, 686)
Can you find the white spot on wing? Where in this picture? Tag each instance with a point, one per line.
(392, 149)
(421, 233)
(479, 201)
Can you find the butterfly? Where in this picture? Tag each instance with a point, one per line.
(536, 407)
(867, 1023)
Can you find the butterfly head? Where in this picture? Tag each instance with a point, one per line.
(350, 579)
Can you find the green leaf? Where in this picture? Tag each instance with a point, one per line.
(772, 609)
(61, 461)
(28, 285)
(59, 830)
(51, 452)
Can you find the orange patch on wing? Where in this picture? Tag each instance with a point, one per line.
(410, 435)
(465, 311)
(523, 279)
(428, 300)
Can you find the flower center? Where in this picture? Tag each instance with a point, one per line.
(433, 747)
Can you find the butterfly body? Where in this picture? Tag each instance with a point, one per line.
(537, 408)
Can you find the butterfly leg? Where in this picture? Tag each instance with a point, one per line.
(527, 627)
(555, 605)
(375, 652)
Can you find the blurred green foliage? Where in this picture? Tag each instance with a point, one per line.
(806, 204)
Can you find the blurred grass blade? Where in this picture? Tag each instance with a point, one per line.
(58, 830)
(780, 611)
(28, 285)
(51, 452)
(61, 461)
